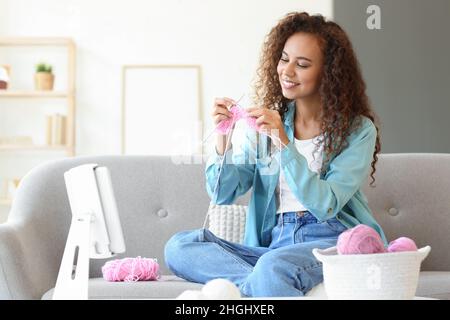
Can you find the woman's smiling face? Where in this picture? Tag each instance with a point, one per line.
(300, 66)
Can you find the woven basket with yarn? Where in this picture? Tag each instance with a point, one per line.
(390, 276)
(227, 221)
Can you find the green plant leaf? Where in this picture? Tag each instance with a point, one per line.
(42, 67)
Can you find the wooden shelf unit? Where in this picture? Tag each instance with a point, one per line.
(68, 95)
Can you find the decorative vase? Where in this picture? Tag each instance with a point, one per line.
(4, 77)
(44, 80)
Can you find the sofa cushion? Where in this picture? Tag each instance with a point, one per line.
(167, 287)
(434, 284)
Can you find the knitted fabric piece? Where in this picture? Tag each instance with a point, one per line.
(238, 113)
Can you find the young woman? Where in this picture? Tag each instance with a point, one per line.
(312, 102)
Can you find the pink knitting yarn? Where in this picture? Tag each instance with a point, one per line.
(251, 122)
(238, 113)
(402, 244)
(361, 239)
(131, 269)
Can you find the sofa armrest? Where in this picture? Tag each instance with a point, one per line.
(14, 283)
(27, 268)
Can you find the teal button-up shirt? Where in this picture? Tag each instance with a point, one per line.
(336, 193)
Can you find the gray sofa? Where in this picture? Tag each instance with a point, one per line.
(157, 198)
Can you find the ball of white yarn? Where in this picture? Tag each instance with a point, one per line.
(221, 289)
(191, 295)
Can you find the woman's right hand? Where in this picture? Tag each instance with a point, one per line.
(220, 110)
(219, 113)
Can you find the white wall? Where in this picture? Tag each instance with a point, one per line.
(223, 36)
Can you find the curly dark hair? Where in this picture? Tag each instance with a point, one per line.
(342, 90)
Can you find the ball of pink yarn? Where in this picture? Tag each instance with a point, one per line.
(131, 269)
(361, 239)
(402, 244)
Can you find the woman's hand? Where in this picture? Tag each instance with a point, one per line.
(269, 121)
(221, 112)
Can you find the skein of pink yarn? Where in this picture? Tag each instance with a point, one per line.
(131, 269)
(238, 113)
(402, 244)
(361, 239)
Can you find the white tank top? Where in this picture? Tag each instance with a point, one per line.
(306, 149)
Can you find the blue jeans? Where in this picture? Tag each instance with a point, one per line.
(286, 268)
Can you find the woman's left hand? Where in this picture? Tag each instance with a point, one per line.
(269, 121)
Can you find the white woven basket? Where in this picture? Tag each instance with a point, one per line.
(228, 221)
(385, 276)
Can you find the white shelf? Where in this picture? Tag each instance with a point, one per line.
(5, 202)
(33, 94)
(33, 148)
(35, 41)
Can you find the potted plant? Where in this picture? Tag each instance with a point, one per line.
(44, 77)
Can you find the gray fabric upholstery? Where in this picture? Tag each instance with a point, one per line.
(33, 239)
(434, 284)
(167, 287)
(415, 188)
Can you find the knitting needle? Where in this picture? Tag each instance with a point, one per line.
(209, 134)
